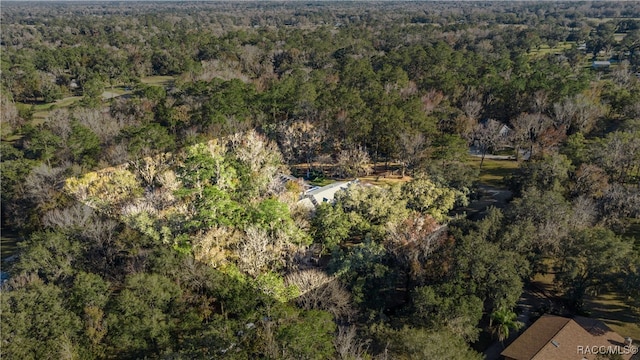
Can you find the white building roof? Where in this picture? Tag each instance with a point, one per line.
(319, 195)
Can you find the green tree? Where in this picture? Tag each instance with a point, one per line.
(503, 320)
(215, 207)
(447, 306)
(51, 255)
(147, 139)
(41, 144)
(36, 324)
(427, 197)
(410, 343)
(331, 225)
(83, 144)
(142, 319)
(88, 290)
(92, 92)
(591, 258)
(88, 299)
(366, 270)
(551, 215)
(308, 335)
(550, 173)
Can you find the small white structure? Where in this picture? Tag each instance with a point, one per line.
(601, 64)
(318, 195)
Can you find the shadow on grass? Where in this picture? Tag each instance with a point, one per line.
(617, 311)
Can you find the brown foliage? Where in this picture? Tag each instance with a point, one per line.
(321, 291)
(413, 241)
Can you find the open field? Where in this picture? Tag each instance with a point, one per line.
(546, 49)
(41, 111)
(617, 312)
(380, 180)
(619, 36)
(493, 172)
(383, 174)
(321, 182)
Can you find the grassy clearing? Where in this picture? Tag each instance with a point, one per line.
(610, 307)
(120, 90)
(34, 107)
(546, 49)
(619, 36)
(41, 111)
(321, 182)
(68, 101)
(379, 180)
(39, 117)
(617, 312)
(493, 172)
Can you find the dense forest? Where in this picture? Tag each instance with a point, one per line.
(153, 158)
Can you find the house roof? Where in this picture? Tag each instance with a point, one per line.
(325, 193)
(559, 338)
(527, 345)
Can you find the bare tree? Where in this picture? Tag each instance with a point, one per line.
(618, 154)
(300, 141)
(590, 180)
(431, 100)
(321, 291)
(563, 113)
(487, 136)
(579, 113)
(101, 236)
(471, 105)
(526, 130)
(261, 155)
(10, 120)
(148, 169)
(618, 203)
(347, 344)
(584, 213)
(354, 162)
(100, 122)
(412, 147)
(43, 183)
(59, 122)
(413, 241)
(211, 247)
(472, 109)
(117, 154)
(540, 101)
(622, 74)
(77, 216)
(258, 251)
